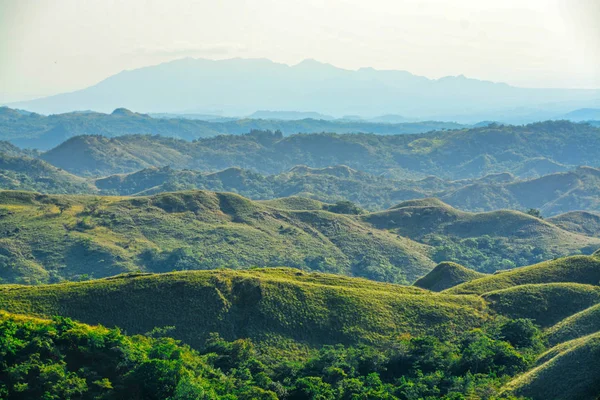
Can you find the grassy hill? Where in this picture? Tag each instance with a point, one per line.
(546, 304)
(567, 371)
(577, 325)
(262, 304)
(446, 275)
(582, 222)
(22, 172)
(483, 241)
(576, 269)
(49, 238)
(455, 154)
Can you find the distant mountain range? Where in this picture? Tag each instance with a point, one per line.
(242, 86)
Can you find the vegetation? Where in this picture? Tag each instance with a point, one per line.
(446, 275)
(577, 269)
(531, 150)
(62, 359)
(261, 304)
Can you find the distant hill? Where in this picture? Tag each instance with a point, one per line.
(456, 154)
(289, 115)
(242, 86)
(583, 114)
(44, 132)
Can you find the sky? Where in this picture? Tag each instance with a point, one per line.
(55, 46)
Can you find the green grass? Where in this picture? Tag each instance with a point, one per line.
(49, 238)
(546, 304)
(576, 269)
(568, 371)
(262, 304)
(446, 275)
(575, 326)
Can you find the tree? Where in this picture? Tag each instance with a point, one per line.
(534, 212)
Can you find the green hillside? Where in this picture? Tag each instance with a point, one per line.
(485, 242)
(546, 304)
(577, 325)
(568, 371)
(446, 275)
(262, 304)
(576, 269)
(49, 238)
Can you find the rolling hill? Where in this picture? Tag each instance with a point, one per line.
(261, 304)
(48, 238)
(454, 154)
(53, 237)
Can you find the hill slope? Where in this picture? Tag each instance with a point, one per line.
(577, 269)
(49, 238)
(567, 371)
(483, 241)
(261, 304)
(446, 275)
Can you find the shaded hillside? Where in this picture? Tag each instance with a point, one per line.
(567, 371)
(583, 222)
(48, 238)
(446, 275)
(21, 172)
(485, 242)
(261, 304)
(454, 154)
(577, 325)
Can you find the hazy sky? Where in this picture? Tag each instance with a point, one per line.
(53, 46)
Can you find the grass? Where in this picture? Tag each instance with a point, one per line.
(568, 371)
(576, 269)
(546, 304)
(446, 275)
(275, 304)
(575, 326)
(70, 237)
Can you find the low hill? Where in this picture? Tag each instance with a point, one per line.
(568, 371)
(446, 275)
(577, 325)
(262, 304)
(49, 238)
(546, 304)
(582, 222)
(21, 172)
(576, 269)
(485, 242)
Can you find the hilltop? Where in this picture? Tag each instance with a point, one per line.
(44, 132)
(446, 275)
